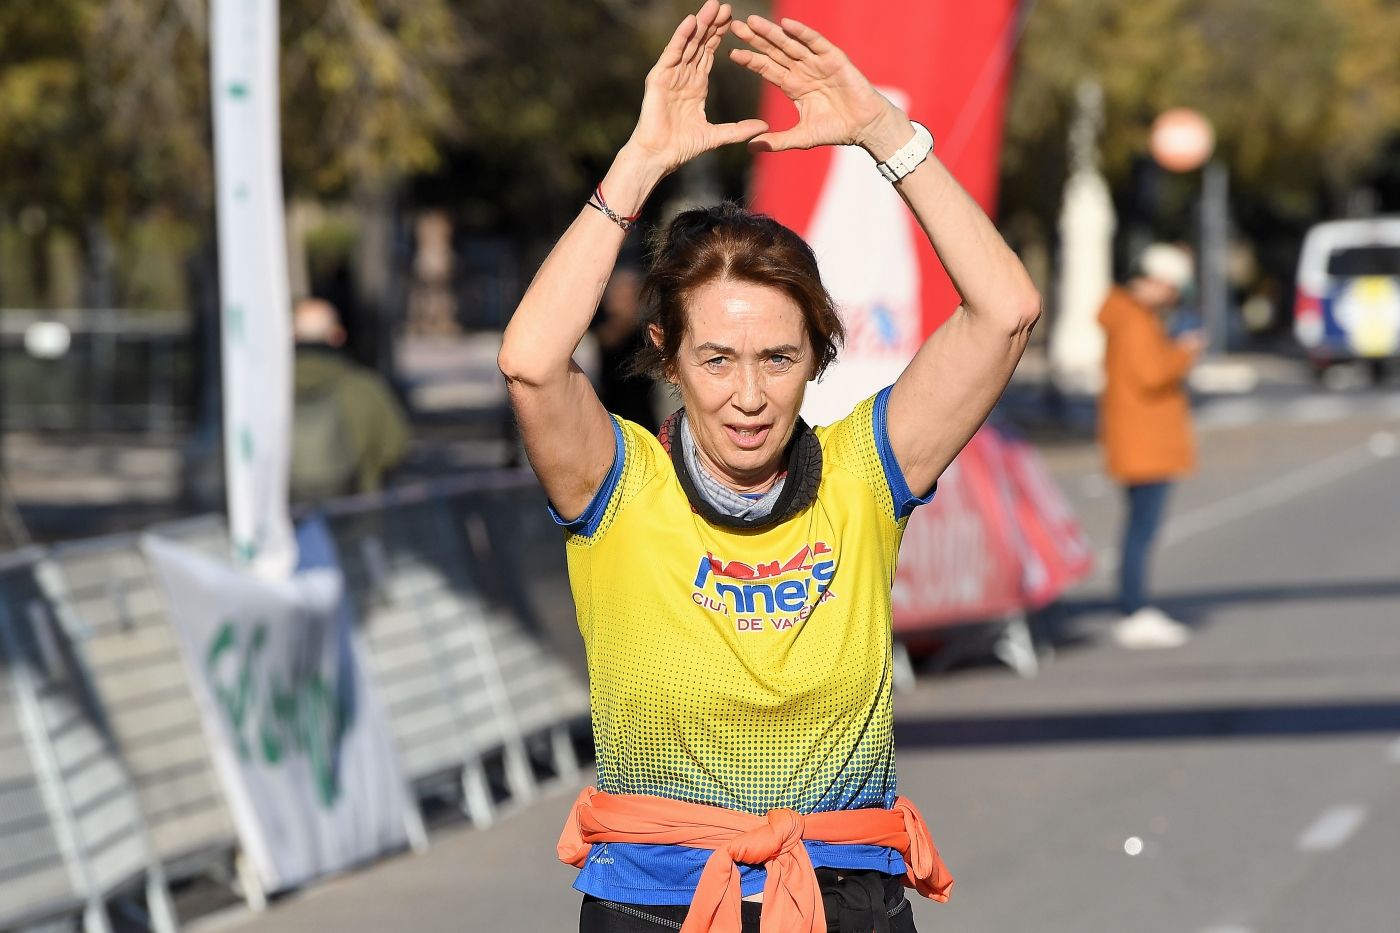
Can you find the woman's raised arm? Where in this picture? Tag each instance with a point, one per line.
(566, 431)
(949, 388)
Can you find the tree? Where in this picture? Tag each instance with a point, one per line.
(547, 99)
(1303, 93)
(104, 104)
(105, 121)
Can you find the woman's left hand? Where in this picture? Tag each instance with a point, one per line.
(836, 104)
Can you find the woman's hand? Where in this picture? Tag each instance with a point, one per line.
(836, 105)
(673, 128)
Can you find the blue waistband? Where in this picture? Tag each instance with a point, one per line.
(635, 873)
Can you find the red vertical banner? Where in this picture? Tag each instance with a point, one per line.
(946, 64)
(999, 539)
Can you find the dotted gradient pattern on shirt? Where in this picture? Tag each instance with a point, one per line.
(743, 669)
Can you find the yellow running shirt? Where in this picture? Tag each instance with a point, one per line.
(747, 669)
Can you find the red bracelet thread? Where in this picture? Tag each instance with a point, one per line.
(624, 222)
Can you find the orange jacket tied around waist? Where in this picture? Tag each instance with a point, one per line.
(792, 901)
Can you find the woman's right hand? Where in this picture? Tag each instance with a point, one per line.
(673, 128)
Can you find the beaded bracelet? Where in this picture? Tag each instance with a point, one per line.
(598, 203)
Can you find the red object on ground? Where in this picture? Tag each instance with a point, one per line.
(999, 538)
(961, 558)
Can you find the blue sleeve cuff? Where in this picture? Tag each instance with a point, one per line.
(587, 523)
(904, 499)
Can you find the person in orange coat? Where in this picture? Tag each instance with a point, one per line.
(1145, 426)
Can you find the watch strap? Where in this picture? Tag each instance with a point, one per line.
(909, 157)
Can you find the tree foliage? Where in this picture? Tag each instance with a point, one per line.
(547, 99)
(366, 90)
(104, 104)
(1303, 94)
(105, 119)
(515, 108)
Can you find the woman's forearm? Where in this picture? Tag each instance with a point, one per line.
(554, 314)
(990, 278)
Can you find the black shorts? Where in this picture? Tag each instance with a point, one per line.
(855, 902)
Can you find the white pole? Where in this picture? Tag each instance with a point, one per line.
(1087, 222)
(253, 283)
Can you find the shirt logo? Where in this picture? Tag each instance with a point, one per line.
(776, 594)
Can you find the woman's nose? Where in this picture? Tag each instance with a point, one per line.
(749, 393)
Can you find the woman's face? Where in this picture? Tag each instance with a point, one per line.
(743, 366)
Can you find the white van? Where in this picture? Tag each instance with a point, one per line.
(1347, 306)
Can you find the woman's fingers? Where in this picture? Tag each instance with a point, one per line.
(777, 142)
(675, 49)
(713, 43)
(761, 65)
(726, 133)
(774, 36)
(760, 44)
(705, 26)
(808, 36)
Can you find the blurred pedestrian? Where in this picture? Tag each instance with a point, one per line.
(1145, 426)
(619, 329)
(732, 576)
(348, 429)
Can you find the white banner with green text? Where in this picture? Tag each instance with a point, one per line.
(301, 745)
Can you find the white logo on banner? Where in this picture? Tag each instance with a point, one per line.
(864, 238)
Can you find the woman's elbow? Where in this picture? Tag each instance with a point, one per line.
(1032, 308)
(1023, 310)
(517, 366)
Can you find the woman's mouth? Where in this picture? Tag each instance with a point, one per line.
(748, 437)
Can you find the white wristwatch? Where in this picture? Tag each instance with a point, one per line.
(909, 157)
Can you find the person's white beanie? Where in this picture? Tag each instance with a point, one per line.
(1167, 263)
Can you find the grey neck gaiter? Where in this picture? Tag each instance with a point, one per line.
(720, 497)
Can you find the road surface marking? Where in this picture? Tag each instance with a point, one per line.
(1233, 413)
(1332, 828)
(1319, 409)
(1393, 753)
(1277, 491)
(1249, 410)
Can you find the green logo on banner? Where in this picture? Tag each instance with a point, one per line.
(245, 443)
(238, 90)
(276, 717)
(233, 318)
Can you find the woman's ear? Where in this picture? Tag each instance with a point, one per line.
(658, 340)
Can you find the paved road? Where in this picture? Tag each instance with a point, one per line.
(1254, 772)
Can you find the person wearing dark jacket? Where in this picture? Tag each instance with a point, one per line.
(348, 429)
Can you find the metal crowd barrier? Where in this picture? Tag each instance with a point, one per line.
(454, 648)
(71, 830)
(112, 608)
(107, 786)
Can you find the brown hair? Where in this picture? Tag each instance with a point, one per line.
(727, 242)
